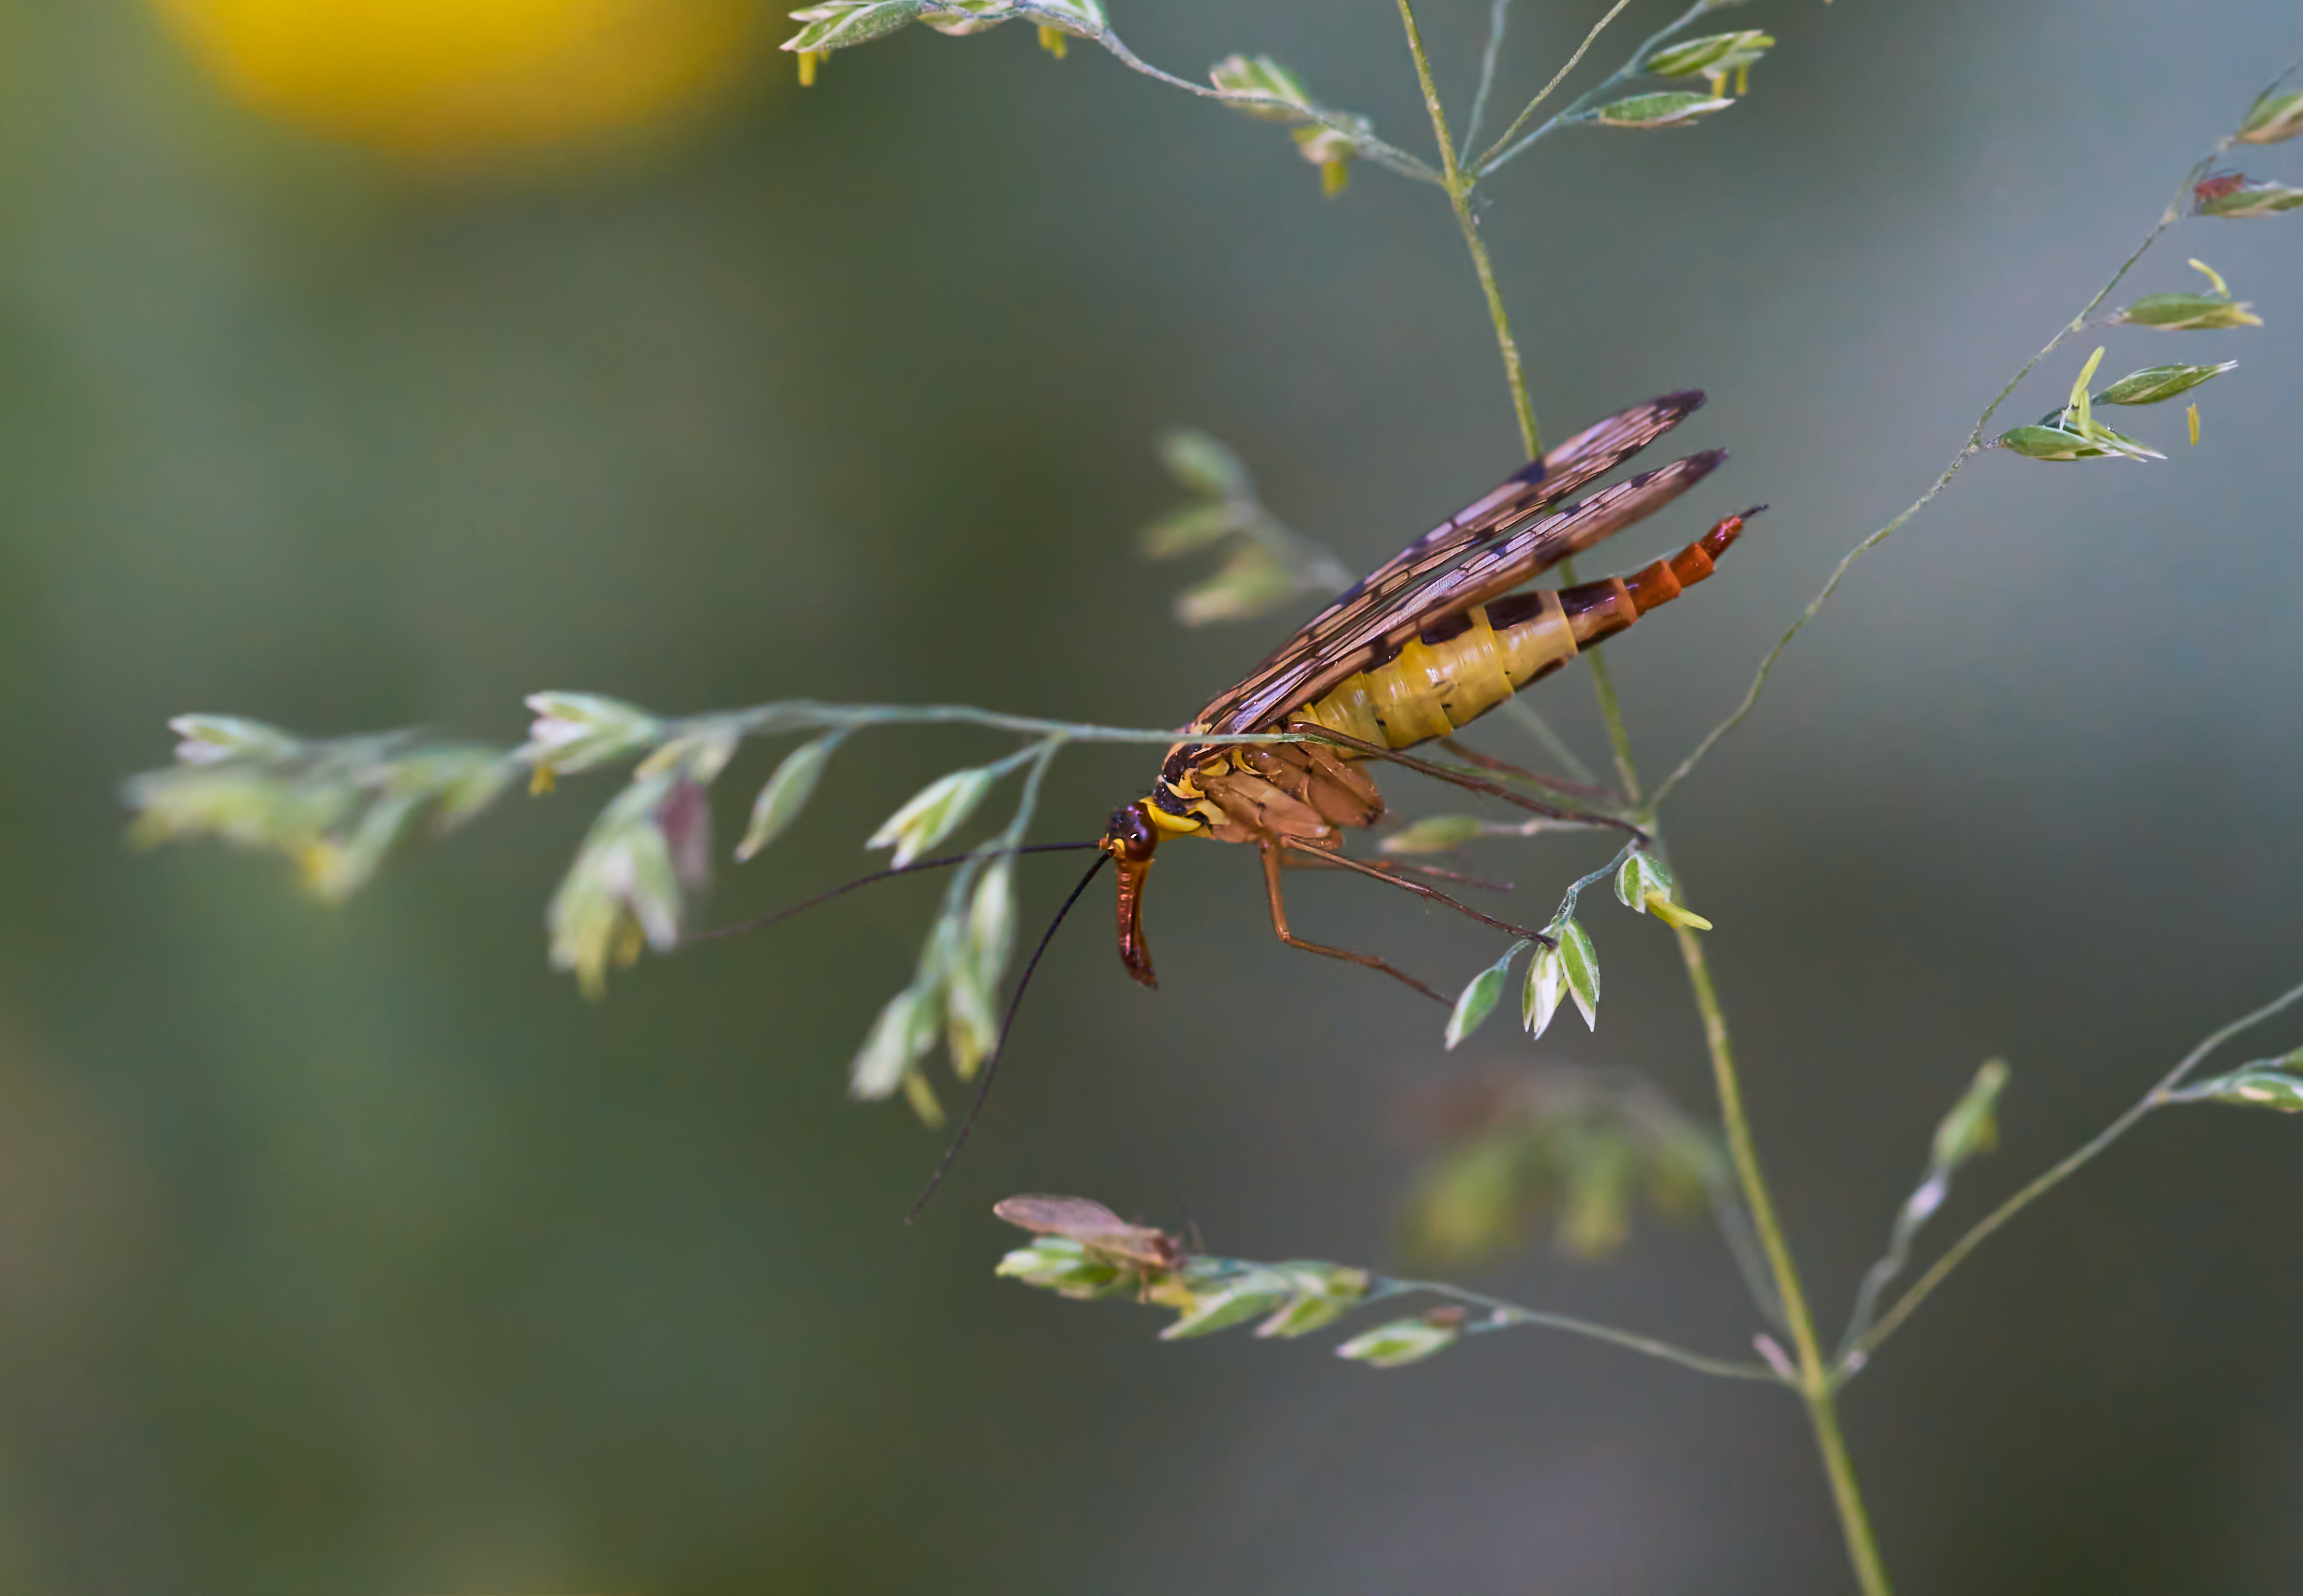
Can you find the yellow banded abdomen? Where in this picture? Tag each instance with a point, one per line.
(1434, 688)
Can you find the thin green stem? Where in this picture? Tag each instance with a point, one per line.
(1854, 1522)
(1496, 153)
(1449, 169)
(1544, 93)
(1933, 1190)
(1531, 436)
(1816, 1385)
(1967, 451)
(1509, 1314)
(2159, 1096)
(1499, 13)
(1364, 142)
(1459, 198)
(1767, 664)
(1575, 888)
(1814, 1380)
(1553, 743)
(797, 713)
(1027, 802)
(1813, 1377)
(1611, 711)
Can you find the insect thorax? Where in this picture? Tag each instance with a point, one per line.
(1260, 792)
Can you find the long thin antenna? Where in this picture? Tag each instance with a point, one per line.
(917, 866)
(999, 1047)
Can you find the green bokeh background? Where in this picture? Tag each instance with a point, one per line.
(348, 1251)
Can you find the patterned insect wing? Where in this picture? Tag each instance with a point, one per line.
(1488, 574)
(1528, 492)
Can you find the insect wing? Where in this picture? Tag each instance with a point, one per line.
(1528, 492)
(1488, 574)
(1092, 1225)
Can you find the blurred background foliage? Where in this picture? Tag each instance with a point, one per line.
(1581, 1149)
(473, 83)
(347, 1249)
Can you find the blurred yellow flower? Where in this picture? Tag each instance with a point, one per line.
(464, 82)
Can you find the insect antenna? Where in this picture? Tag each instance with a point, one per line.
(913, 868)
(999, 1047)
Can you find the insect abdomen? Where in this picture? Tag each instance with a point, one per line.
(1450, 675)
(1433, 685)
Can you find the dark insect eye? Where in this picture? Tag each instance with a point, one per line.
(1131, 832)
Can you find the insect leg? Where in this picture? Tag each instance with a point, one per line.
(1399, 865)
(1419, 889)
(1471, 756)
(1297, 861)
(1457, 778)
(1271, 852)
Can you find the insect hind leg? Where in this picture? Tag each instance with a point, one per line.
(1312, 729)
(1271, 865)
(1302, 861)
(1471, 755)
(1378, 873)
